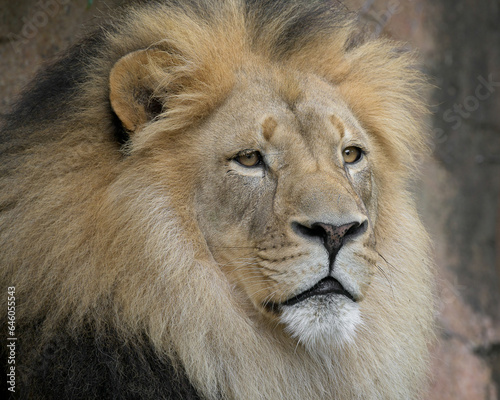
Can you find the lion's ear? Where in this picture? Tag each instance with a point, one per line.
(133, 80)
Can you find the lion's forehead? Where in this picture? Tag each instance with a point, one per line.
(261, 112)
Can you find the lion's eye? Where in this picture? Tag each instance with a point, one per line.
(352, 154)
(249, 158)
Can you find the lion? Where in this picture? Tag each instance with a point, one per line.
(212, 200)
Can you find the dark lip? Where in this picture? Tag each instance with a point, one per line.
(325, 286)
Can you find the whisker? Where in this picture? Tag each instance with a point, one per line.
(239, 260)
(387, 279)
(251, 263)
(236, 247)
(272, 269)
(267, 299)
(261, 290)
(382, 271)
(387, 262)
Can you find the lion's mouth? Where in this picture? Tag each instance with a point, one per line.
(324, 287)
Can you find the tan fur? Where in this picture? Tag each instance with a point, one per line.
(140, 241)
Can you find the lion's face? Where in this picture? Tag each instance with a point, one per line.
(286, 202)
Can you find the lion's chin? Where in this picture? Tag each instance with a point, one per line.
(322, 322)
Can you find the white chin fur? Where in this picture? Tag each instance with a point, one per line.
(322, 322)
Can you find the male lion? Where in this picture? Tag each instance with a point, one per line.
(210, 200)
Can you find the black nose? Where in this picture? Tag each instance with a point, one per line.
(333, 237)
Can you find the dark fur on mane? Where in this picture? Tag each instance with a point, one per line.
(86, 366)
(51, 95)
(303, 23)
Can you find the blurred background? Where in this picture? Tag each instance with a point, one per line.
(458, 42)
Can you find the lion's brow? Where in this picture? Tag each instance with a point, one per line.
(338, 124)
(268, 127)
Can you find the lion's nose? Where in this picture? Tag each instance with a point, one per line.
(332, 237)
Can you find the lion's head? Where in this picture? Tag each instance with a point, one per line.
(227, 185)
